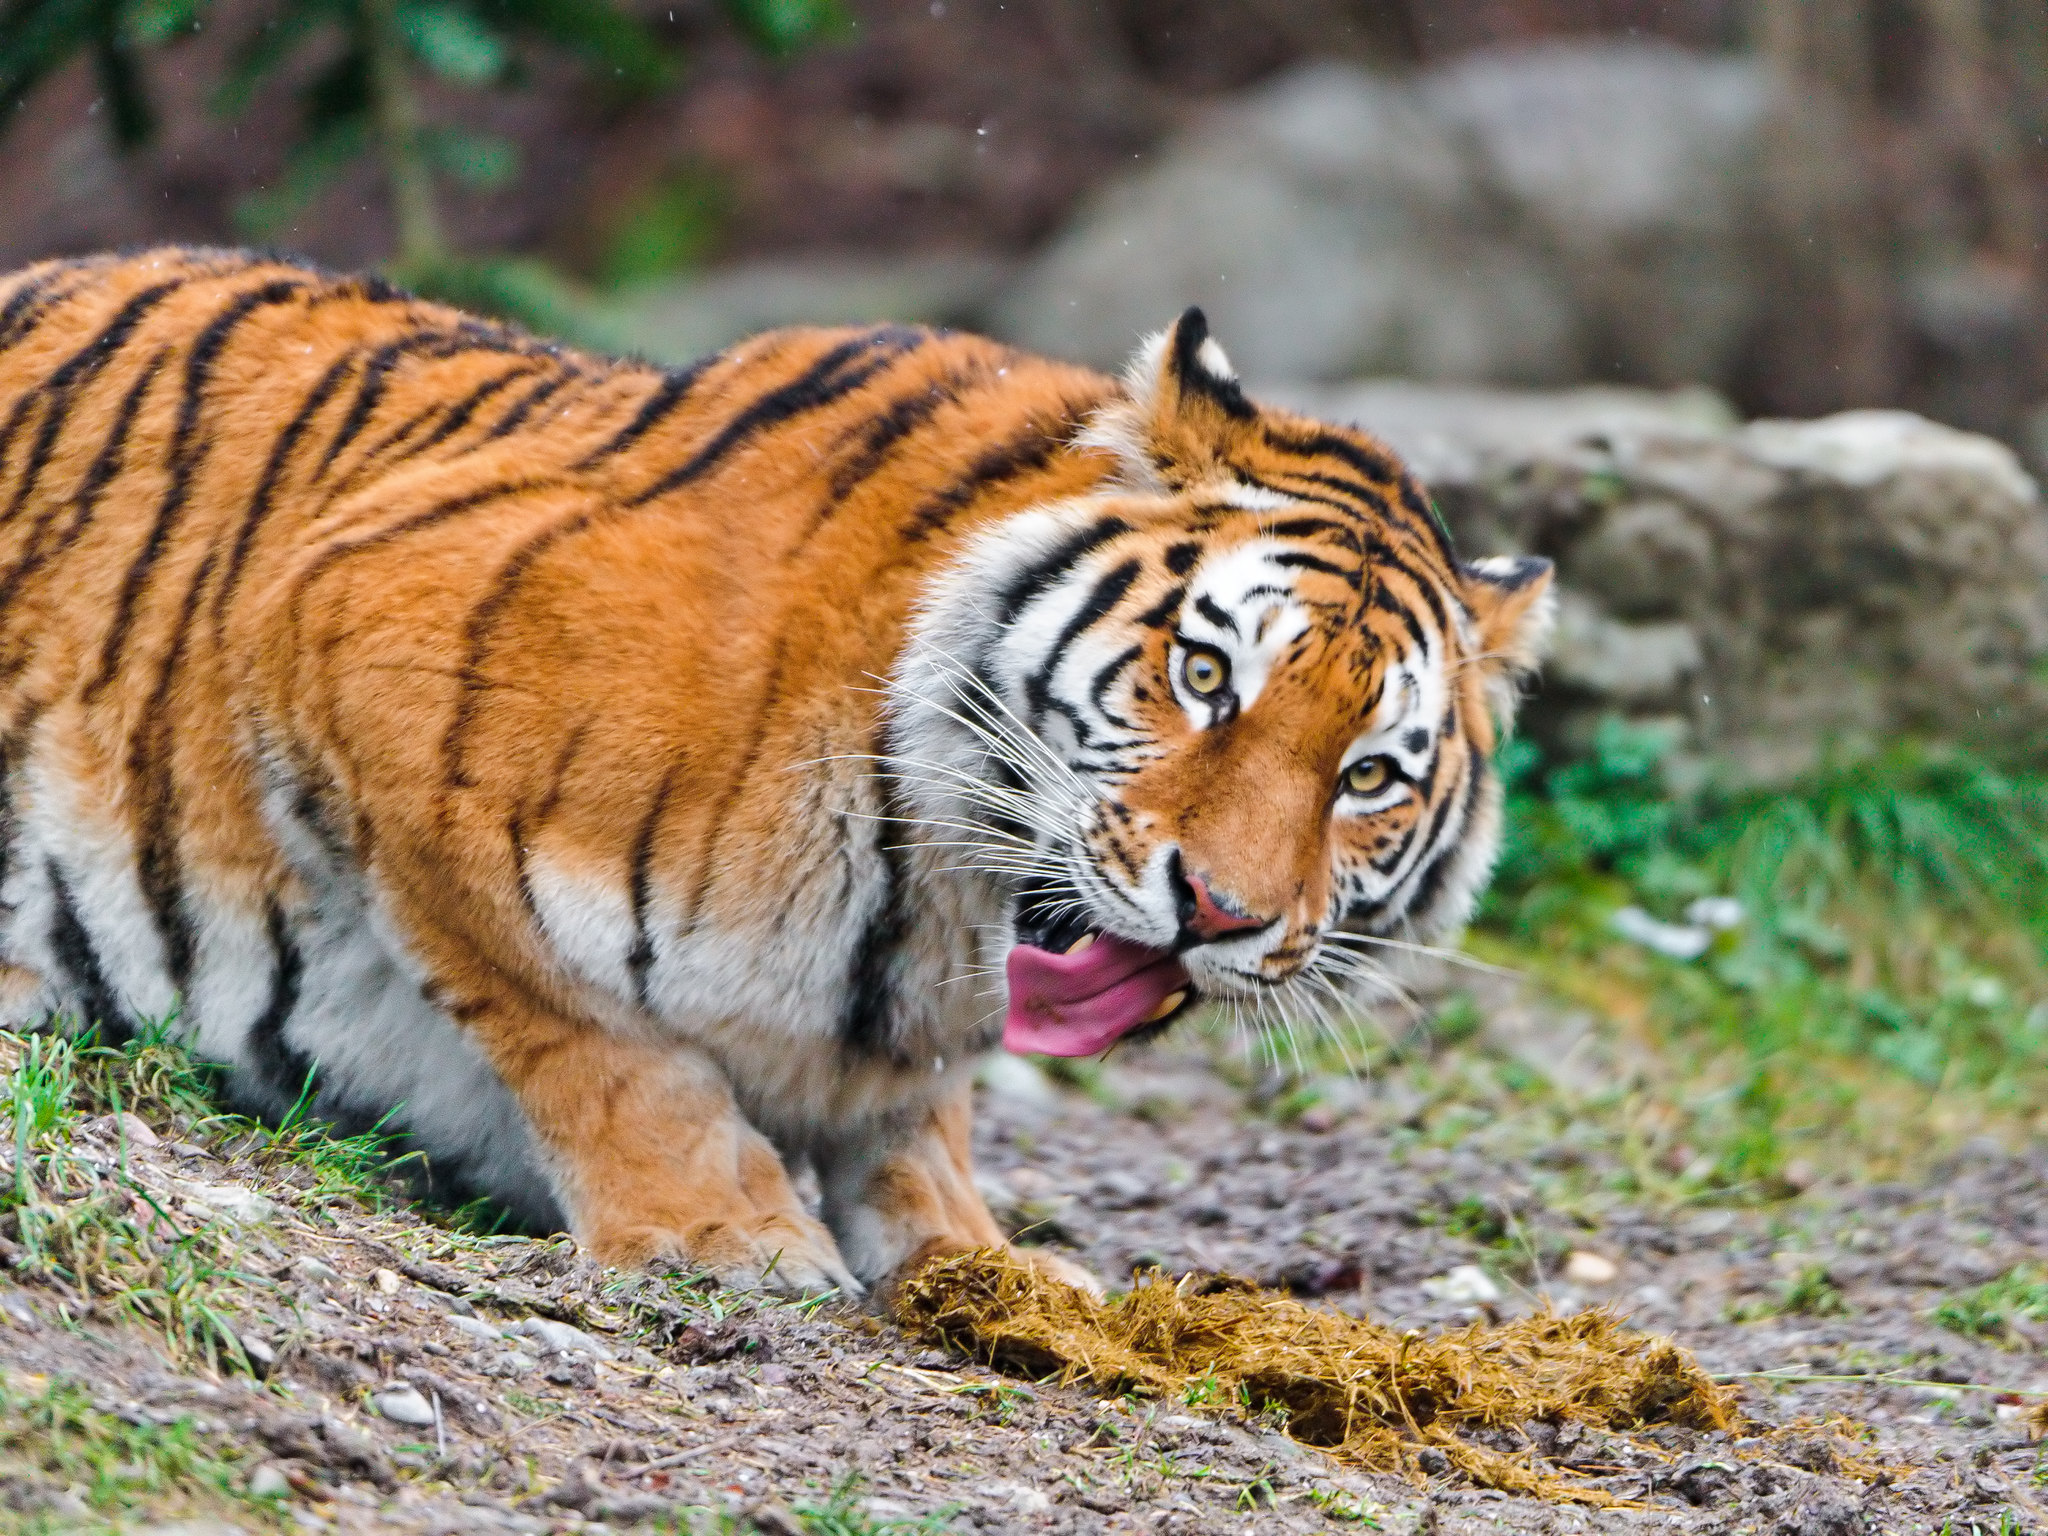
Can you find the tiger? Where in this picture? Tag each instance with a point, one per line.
(643, 788)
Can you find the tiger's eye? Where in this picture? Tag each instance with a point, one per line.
(1205, 673)
(1368, 776)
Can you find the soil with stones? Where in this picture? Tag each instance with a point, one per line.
(420, 1380)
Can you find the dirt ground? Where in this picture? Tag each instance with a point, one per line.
(547, 1395)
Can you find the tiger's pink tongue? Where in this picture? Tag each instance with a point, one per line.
(1080, 1003)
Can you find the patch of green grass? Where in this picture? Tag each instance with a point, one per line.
(52, 1436)
(101, 1239)
(1991, 1310)
(843, 1514)
(1890, 916)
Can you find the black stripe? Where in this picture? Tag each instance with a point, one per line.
(885, 430)
(1105, 679)
(460, 413)
(1030, 450)
(667, 398)
(1163, 612)
(395, 438)
(550, 798)
(714, 832)
(529, 402)
(477, 633)
(283, 1067)
(1188, 335)
(1039, 577)
(881, 435)
(868, 1023)
(159, 865)
(1348, 574)
(71, 947)
(281, 451)
(1107, 593)
(1181, 558)
(187, 452)
(30, 304)
(1425, 889)
(1387, 602)
(837, 374)
(1321, 442)
(438, 345)
(106, 465)
(56, 393)
(640, 958)
(1314, 527)
(1209, 609)
(455, 506)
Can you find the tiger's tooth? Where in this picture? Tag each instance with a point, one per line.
(1081, 943)
(1167, 1004)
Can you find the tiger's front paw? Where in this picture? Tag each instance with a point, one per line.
(1049, 1266)
(786, 1253)
(1052, 1267)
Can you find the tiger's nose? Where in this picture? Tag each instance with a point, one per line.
(1208, 919)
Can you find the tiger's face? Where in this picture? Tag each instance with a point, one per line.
(1222, 727)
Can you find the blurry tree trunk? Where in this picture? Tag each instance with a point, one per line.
(1968, 97)
(395, 114)
(1831, 337)
(1825, 40)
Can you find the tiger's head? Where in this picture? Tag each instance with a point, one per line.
(1220, 726)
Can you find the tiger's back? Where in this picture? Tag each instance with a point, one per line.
(261, 671)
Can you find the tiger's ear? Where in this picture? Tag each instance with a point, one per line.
(1513, 608)
(1182, 406)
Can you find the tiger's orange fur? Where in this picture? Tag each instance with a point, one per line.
(508, 730)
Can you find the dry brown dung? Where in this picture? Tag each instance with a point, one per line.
(1365, 1393)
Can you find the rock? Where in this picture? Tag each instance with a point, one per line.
(137, 1134)
(509, 1364)
(1675, 941)
(476, 1328)
(306, 1267)
(261, 1355)
(268, 1482)
(1330, 227)
(1529, 215)
(1020, 1497)
(403, 1405)
(1584, 1267)
(1629, 663)
(1638, 164)
(558, 1338)
(1723, 914)
(1465, 1284)
(386, 1281)
(238, 1204)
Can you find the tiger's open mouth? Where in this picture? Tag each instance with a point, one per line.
(1075, 990)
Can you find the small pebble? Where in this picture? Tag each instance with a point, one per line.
(387, 1281)
(268, 1482)
(138, 1134)
(403, 1405)
(476, 1328)
(1466, 1284)
(310, 1268)
(1585, 1267)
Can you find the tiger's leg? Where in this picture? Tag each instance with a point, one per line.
(649, 1155)
(919, 1201)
